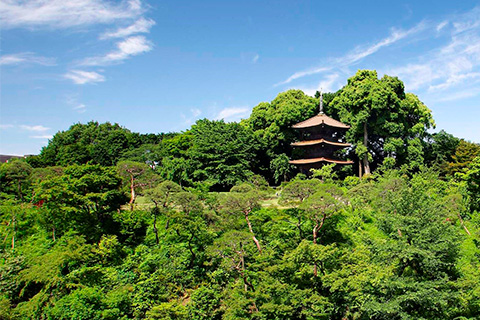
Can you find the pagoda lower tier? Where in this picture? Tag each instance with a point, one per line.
(316, 153)
(305, 165)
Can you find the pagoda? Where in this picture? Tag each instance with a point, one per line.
(321, 136)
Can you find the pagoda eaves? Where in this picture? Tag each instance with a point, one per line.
(317, 160)
(319, 120)
(319, 141)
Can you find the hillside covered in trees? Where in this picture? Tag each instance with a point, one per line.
(106, 223)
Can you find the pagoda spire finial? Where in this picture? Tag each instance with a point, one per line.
(321, 102)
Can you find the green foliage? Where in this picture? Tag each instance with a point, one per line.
(325, 173)
(394, 122)
(14, 177)
(472, 179)
(463, 156)
(281, 167)
(89, 143)
(223, 153)
(395, 244)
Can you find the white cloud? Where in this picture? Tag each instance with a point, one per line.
(83, 77)
(458, 95)
(357, 54)
(6, 126)
(37, 128)
(25, 58)
(467, 21)
(233, 113)
(81, 108)
(47, 136)
(301, 74)
(329, 84)
(142, 25)
(450, 66)
(131, 46)
(255, 58)
(65, 13)
(441, 25)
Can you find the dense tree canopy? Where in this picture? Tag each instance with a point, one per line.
(109, 224)
(223, 153)
(387, 124)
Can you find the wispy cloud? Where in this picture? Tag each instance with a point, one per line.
(46, 136)
(37, 128)
(60, 13)
(453, 65)
(142, 25)
(356, 54)
(194, 114)
(255, 58)
(233, 113)
(84, 77)
(331, 82)
(81, 108)
(6, 126)
(131, 46)
(25, 58)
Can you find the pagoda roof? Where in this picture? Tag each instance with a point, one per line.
(319, 141)
(320, 119)
(322, 159)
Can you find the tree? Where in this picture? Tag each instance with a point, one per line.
(243, 203)
(222, 153)
(297, 191)
(163, 196)
(92, 142)
(320, 206)
(83, 199)
(14, 176)
(272, 121)
(439, 149)
(138, 175)
(387, 124)
(472, 178)
(464, 155)
(281, 167)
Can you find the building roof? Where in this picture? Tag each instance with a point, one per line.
(6, 158)
(319, 119)
(319, 141)
(316, 160)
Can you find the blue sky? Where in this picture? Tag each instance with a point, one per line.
(157, 66)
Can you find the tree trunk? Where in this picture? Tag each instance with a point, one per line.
(53, 234)
(299, 227)
(463, 224)
(132, 193)
(366, 165)
(19, 186)
(155, 228)
(315, 229)
(257, 243)
(359, 168)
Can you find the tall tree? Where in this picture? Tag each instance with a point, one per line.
(387, 124)
(223, 153)
(139, 175)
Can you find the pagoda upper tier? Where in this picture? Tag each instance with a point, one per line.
(320, 120)
(321, 137)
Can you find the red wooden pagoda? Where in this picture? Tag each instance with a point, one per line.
(321, 136)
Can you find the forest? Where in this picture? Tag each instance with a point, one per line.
(215, 223)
